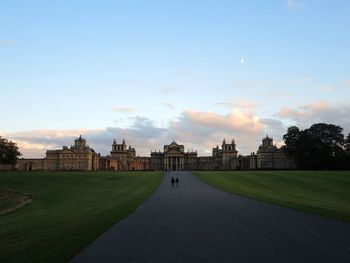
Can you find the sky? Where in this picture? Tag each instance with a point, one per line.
(155, 71)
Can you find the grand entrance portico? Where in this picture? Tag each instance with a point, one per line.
(174, 157)
(174, 163)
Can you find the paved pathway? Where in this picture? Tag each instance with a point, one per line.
(198, 223)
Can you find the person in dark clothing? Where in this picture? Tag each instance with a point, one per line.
(177, 182)
(172, 181)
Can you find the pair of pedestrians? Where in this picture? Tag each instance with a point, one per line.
(174, 181)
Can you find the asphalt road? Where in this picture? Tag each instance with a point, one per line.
(198, 223)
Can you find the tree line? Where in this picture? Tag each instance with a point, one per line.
(322, 146)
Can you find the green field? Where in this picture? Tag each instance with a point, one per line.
(69, 210)
(325, 193)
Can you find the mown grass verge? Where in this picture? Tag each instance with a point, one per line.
(325, 193)
(69, 210)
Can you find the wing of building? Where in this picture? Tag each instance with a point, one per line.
(78, 157)
(81, 157)
(271, 157)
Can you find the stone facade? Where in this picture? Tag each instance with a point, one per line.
(269, 156)
(123, 158)
(81, 157)
(31, 164)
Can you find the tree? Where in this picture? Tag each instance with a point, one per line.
(319, 147)
(325, 144)
(291, 140)
(8, 151)
(347, 149)
(347, 144)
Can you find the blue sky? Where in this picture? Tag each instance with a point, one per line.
(151, 71)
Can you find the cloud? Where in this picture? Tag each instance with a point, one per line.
(182, 73)
(273, 127)
(168, 105)
(197, 130)
(321, 111)
(250, 83)
(236, 120)
(33, 144)
(124, 109)
(295, 5)
(325, 88)
(9, 43)
(240, 104)
(204, 130)
(301, 80)
(281, 94)
(168, 89)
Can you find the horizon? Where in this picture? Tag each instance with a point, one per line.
(196, 72)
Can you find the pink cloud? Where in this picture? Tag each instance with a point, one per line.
(320, 105)
(33, 144)
(196, 130)
(236, 120)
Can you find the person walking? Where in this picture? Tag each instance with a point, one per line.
(172, 181)
(177, 182)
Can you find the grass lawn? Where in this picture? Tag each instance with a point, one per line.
(325, 193)
(68, 211)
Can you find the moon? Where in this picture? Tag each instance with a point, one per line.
(242, 60)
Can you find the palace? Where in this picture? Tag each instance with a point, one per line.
(81, 157)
